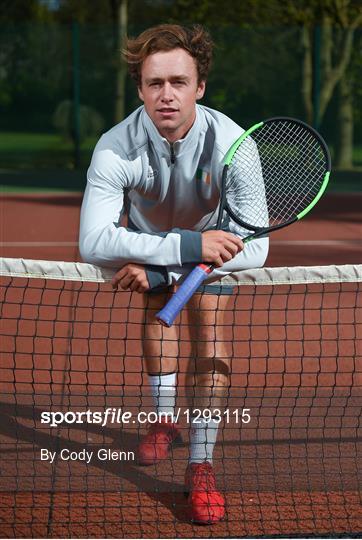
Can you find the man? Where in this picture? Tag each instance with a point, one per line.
(166, 160)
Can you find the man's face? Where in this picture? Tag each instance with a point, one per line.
(169, 89)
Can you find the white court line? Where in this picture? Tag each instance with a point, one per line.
(322, 243)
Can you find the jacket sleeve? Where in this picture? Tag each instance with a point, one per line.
(102, 240)
(253, 255)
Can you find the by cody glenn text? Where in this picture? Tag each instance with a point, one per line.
(102, 454)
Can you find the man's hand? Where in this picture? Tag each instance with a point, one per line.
(219, 247)
(131, 277)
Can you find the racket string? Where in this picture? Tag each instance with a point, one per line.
(275, 173)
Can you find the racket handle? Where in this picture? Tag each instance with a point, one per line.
(168, 314)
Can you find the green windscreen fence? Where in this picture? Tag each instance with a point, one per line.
(58, 90)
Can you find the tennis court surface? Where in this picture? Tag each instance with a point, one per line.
(70, 344)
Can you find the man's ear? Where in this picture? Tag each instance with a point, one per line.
(201, 90)
(140, 94)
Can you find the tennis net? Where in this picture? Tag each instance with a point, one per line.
(287, 457)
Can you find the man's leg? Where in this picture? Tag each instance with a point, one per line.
(209, 375)
(160, 344)
(160, 352)
(207, 383)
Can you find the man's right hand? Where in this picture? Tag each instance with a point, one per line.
(219, 247)
(132, 277)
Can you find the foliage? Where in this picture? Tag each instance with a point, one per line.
(91, 122)
(258, 67)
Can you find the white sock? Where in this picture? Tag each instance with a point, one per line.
(163, 389)
(203, 437)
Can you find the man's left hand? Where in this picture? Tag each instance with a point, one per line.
(131, 277)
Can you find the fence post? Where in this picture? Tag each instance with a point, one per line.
(76, 93)
(316, 75)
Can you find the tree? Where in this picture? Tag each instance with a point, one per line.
(328, 30)
(347, 108)
(327, 33)
(344, 154)
(262, 67)
(120, 16)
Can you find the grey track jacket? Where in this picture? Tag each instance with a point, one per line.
(170, 192)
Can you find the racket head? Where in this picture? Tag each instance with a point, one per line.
(275, 173)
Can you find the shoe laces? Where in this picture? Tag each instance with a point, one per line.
(161, 429)
(202, 475)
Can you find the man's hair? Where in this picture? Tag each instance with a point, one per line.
(166, 37)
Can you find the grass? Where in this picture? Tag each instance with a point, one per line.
(357, 155)
(37, 189)
(41, 150)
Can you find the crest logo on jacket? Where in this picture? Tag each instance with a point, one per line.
(203, 176)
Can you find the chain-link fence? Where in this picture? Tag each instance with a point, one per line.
(58, 88)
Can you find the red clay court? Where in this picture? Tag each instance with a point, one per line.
(292, 471)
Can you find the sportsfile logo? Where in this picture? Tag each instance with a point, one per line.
(109, 416)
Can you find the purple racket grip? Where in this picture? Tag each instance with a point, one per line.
(168, 314)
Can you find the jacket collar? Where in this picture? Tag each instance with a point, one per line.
(162, 146)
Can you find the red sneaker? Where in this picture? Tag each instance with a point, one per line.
(206, 504)
(156, 445)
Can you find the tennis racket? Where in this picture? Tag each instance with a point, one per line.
(273, 176)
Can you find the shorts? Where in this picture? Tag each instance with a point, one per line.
(219, 290)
